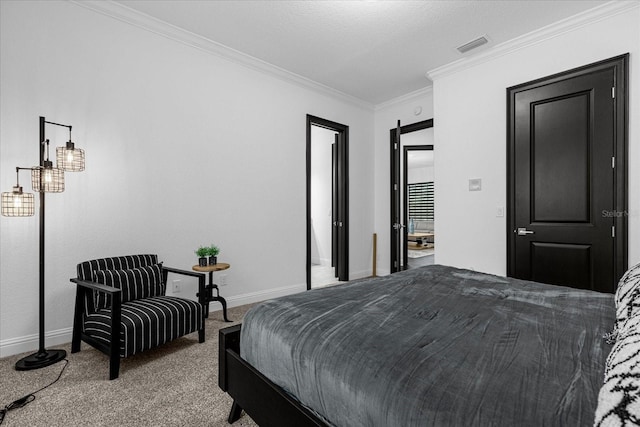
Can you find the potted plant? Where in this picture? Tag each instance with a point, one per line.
(213, 252)
(202, 253)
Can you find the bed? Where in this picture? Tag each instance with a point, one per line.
(431, 346)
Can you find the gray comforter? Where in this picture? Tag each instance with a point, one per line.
(436, 346)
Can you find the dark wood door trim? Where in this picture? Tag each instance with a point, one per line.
(343, 174)
(620, 66)
(394, 255)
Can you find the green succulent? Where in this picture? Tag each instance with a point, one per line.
(213, 250)
(202, 251)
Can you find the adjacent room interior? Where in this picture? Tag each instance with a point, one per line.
(323, 262)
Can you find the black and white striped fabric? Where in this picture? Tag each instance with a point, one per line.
(619, 397)
(148, 322)
(86, 270)
(135, 283)
(627, 297)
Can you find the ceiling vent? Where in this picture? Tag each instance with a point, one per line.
(473, 44)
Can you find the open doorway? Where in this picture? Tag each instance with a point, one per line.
(327, 203)
(418, 202)
(413, 240)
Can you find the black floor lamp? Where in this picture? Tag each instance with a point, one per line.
(44, 179)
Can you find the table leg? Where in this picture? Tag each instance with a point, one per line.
(224, 309)
(211, 298)
(208, 292)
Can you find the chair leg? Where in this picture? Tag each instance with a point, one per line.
(114, 345)
(201, 335)
(235, 413)
(77, 321)
(75, 341)
(114, 366)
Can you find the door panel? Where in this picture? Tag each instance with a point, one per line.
(562, 149)
(560, 145)
(341, 198)
(396, 221)
(334, 206)
(561, 263)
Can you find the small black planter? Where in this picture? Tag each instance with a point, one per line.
(202, 261)
(213, 260)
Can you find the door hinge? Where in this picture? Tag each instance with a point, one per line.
(613, 162)
(395, 187)
(613, 231)
(613, 92)
(395, 145)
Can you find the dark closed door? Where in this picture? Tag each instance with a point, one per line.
(340, 209)
(562, 177)
(397, 226)
(335, 248)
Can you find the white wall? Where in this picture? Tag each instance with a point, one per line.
(470, 134)
(422, 174)
(413, 108)
(321, 192)
(183, 148)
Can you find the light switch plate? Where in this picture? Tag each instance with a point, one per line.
(475, 184)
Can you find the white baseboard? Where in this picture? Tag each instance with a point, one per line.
(30, 343)
(258, 296)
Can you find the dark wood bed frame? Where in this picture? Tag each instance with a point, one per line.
(266, 403)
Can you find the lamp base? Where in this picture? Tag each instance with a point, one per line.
(40, 359)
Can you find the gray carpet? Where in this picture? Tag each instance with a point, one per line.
(173, 385)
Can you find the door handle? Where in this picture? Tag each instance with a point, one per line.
(397, 226)
(522, 231)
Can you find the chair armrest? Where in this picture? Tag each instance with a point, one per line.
(96, 286)
(183, 272)
(83, 289)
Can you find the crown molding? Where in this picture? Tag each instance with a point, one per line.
(141, 20)
(404, 98)
(556, 29)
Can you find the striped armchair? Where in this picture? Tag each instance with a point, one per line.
(121, 308)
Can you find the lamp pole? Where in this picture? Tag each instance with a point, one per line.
(42, 265)
(43, 357)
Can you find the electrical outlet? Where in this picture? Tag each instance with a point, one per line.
(176, 286)
(223, 279)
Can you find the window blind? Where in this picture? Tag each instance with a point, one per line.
(421, 201)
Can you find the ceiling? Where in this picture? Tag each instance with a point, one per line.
(372, 50)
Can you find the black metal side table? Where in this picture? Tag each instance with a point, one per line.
(209, 297)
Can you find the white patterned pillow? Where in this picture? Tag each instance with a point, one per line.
(619, 397)
(627, 297)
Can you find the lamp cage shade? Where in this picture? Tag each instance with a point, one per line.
(17, 203)
(49, 180)
(70, 159)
